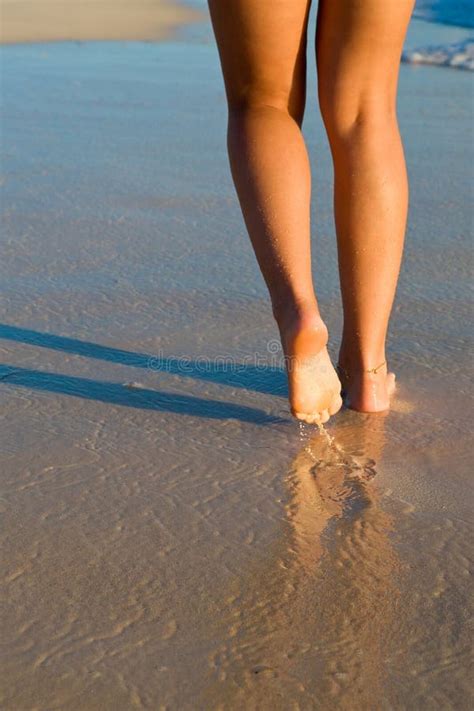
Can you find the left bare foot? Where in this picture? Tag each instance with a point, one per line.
(314, 388)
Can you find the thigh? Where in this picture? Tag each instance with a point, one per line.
(358, 47)
(262, 47)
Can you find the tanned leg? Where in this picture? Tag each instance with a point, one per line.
(262, 47)
(358, 44)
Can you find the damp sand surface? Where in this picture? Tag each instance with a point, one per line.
(170, 538)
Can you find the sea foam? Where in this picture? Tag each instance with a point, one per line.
(459, 55)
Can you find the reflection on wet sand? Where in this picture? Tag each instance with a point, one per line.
(342, 537)
(320, 620)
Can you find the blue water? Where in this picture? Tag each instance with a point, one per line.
(446, 12)
(444, 50)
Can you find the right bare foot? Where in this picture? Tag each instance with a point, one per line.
(366, 391)
(314, 388)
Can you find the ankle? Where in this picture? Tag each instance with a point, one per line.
(303, 333)
(301, 317)
(297, 314)
(357, 362)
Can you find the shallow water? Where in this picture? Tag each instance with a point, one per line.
(171, 538)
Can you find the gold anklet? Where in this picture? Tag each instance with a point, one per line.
(369, 370)
(374, 370)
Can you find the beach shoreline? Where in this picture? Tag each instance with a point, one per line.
(170, 537)
(26, 21)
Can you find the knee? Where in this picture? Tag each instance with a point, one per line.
(288, 100)
(352, 114)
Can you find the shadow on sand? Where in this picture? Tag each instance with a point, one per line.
(249, 377)
(262, 378)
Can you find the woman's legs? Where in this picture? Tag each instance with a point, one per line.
(358, 44)
(262, 46)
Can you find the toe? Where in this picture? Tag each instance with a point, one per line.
(324, 416)
(314, 418)
(304, 417)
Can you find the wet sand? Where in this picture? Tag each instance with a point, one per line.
(57, 20)
(170, 537)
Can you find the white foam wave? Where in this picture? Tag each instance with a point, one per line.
(459, 55)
